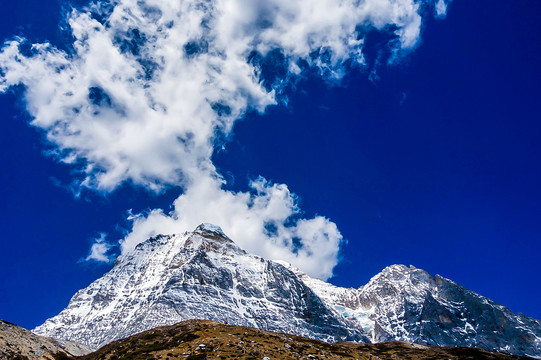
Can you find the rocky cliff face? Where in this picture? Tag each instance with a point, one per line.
(199, 275)
(407, 304)
(18, 343)
(204, 275)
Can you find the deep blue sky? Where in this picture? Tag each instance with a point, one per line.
(436, 164)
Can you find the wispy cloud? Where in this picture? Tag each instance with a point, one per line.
(441, 8)
(99, 249)
(148, 87)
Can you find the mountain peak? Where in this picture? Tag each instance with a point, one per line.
(402, 275)
(204, 274)
(211, 231)
(399, 268)
(196, 275)
(210, 228)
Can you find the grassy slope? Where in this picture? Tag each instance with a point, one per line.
(203, 339)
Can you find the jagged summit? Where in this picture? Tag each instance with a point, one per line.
(403, 278)
(408, 304)
(210, 229)
(399, 268)
(211, 235)
(197, 275)
(212, 232)
(400, 271)
(204, 275)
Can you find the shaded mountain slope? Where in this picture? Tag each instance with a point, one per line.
(407, 304)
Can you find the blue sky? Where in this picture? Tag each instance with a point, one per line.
(432, 161)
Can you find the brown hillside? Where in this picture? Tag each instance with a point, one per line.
(203, 339)
(17, 343)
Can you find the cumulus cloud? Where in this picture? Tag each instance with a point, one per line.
(148, 87)
(99, 249)
(259, 221)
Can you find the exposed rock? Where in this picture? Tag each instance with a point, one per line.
(19, 343)
(407, 304)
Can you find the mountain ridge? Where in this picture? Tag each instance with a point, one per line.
(204, 274)
(436, 311)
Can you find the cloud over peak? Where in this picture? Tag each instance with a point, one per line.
(264, 220)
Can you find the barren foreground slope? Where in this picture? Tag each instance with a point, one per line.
(204, 339)
(17, 343)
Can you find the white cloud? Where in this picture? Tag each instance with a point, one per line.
(441, 8)
(134, 99)
(259, 221)
(98, 250)
(148, 85)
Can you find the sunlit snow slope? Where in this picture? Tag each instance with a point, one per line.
(199, 275)
(205, 275)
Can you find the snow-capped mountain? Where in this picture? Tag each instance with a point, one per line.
(199, 275)
(407, 304)
(205, 275)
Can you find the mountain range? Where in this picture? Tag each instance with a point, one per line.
(204, 275)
